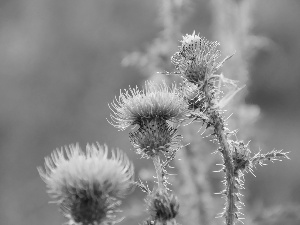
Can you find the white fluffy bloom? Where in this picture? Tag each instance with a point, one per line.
(155, 101)
(86, 184)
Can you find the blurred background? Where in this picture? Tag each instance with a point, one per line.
(60, 66)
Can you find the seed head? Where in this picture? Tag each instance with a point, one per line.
(86, 185)
(156, 101)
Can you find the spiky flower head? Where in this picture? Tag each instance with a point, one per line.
(155, 101)
(163, 206)
(154, 137)
(240, 155)
(197, 58)
(87, 185)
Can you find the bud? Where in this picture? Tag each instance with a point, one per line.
(197, 58)
(240, 155)
(162, 205)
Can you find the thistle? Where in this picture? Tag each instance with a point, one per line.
(196, 61)
(87, 185)
(152, 109)
(163, 206)
(155, 101)
(197, 58)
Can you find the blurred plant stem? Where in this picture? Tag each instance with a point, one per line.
(193, 182)
(232, 23)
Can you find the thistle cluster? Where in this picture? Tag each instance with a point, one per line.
(197, 63)
(88, 186)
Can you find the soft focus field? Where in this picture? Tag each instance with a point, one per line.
(60, 66)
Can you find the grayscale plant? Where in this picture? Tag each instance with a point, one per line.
(88, 185)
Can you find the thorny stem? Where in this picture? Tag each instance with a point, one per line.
(225, 150)
(273, 155)
(218, 124)
(159, 173)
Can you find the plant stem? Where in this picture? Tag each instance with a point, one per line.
(159, 174)
(218, 124)
(188, 189)
(225, 150)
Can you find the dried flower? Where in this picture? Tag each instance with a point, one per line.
(86, 185)
(156, 101)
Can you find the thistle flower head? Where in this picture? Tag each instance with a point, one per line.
(156, 101)
(196, 58)
(154, 137)
(163, 206)
(86, 185)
